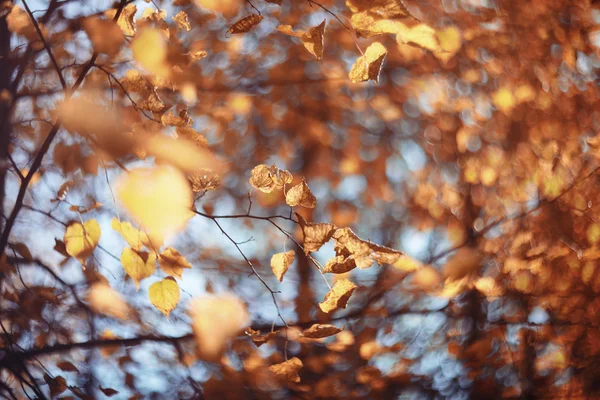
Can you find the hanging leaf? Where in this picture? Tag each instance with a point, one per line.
(23, 250)
(312, 40)
(318, 331)
(338, 296)
(172, 262)
(81, 240)
(67, 366)
(108, 392)
(245, 24)
(376, 17)
(182, 21)
(288, 370)
(265, 178)
(126, 19)
(258, 338)
(280, 263)
(164, 295)
(421, 35)
(315, 234)
(105, 300)
(300, 195)
(368, 66)
(138, 264)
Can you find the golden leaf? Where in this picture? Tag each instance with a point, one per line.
(192, 135)
(367, 67)
(138, 264)
(258, 338)
(288, 370)
(339, 265)
(134, 237)
(421, 35)
(465, 261)
(338, 296)
(172, 262)
(126, 19)
(376, 17)
(245, 24)
(215, 321)
(300, 195)
(407, 264)
(105, 300)
(318, 331)
(105, 35)
(182, 21)
(149, 49)
(315, 234)
(280, 263)
(159, 198)
(312, 40)
(427, 278)
(450, 42)
(164, 295)
(265, 178)
(81, 240)
(204, 180)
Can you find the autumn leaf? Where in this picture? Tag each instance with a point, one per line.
(376, 17)
(427, 278)
(138, 264)
(172, 262)
(300, 195)
(126, 19)
(280, 263)
(288, 370)
(315, 234)
(105, 35)
(135, 238)
(245, 24)
(105, 300)
(81, 239)
(421, 35)
(312, 39)
(164, 295)
(259, 339)
(23, 250)
(318, 331)
(266, 179)
(338, 296)
(67, 366)
(149, 49)
(367, 67)
(181, 18)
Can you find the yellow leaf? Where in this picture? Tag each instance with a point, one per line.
(315, 234)
(134, 237)
(215, 321)
(105, 300)
(108, 350)
(182, 21)
(288, 370)
(450, 42)
(504, 99)
(81, 240)
(164, 295)
(376, 17)
(421, 35)
(280, 263)
(138, 264)
(159, 198)
(427, 278)
(318, 331)
(338, 296)
(300, 195)
(265, 178)
(172, 262)
(407, 264)
(367, 67)
(245, 24)
(126, 19)
(312, 40)
(150, 49)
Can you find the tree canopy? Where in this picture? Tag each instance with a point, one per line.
(280, 199)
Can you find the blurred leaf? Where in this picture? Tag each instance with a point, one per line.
(288, 370)
(105, 300)
(318, 331)
(245, 24)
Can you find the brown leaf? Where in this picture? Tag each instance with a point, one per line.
(181, 18)
(245, 24)
(300, 195)
(23, 250)
(108, 391)
(338, 296)
(318, 331)
(315, 234)
(288, 370)
(258, 338)
(281, 262)
(367, 67)
(339, 265)
(265, 178)
(67, 366)
(172, 263)
(126, 19)
(61, 194)
(350, 249)
(105, 35)
(376, 17)
(312, 40)
(105, 300)
(57, 385)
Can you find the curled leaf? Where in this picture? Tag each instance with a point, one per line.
(338, 296)
(288, 370)
(315, 234)
(81, 239)
(182, 21)
(265, 178)
(281, 262)
(172, 262)
(138, 264)
(312, 39)
(245, 24)
(164, 295)
(300, 195)
(258, 338)
(367, 67)
(318, 331)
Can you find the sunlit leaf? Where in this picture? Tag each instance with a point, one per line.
(81, 239)
(164, 295)
(318, 331)
(376, 17)
(288, 370)
(368, 66)
(245, 24)
(126, 19)
(181, 18)
(427, 278)
(312, 39)
(105, 300)
(138, 264)
(172, 262)
(300, 195)
(266, 179)
(281, 262)
(338, 296)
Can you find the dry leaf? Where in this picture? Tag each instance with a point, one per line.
(164, 295)
(150, 49)
(258, 338)
(203, 180)
(318, 331)
(312, 40)
(300, 195)
(421, 35)
(465, 261)
(367, 67)
(105, 35)
(62, 192)
(67, 366)
(315, 234)
(376, 17)
(81, 240)
(108, 350)
(245, 24)
(338, 296)
(265, 178)
(215, 321)
(126, 19)
(280, 263)
(138, 264)
(23, 250)
(182, 21)
(105, 300)
(288, 370)
(172, 262)
(19, 23)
